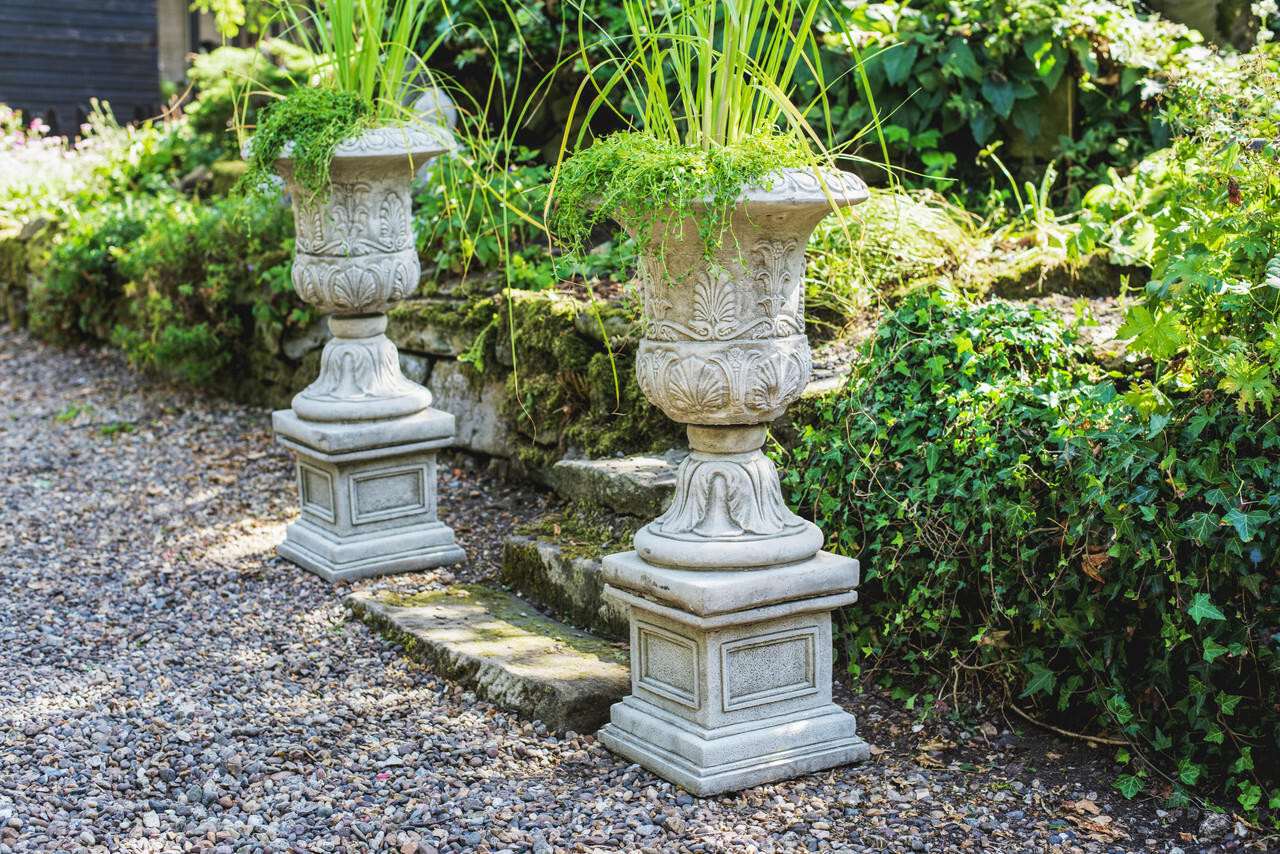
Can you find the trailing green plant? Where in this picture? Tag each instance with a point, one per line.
(365, 73)
(310, 124)
(621, 176)
(710, 87)
(232, 81)
(1020, 524)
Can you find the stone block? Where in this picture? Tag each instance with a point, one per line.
(571, 586)
(367, 494)
(508, 654)
(477, 406)
(731, 672)
(637, 486)
(421, 326)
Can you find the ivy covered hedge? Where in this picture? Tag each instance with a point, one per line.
(1015, 518)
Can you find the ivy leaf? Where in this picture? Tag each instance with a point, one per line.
(1048, 58)
(958, 59)
(1246, 524)
(1128, 785)
(981, 126)
(1201, 526)
(1026, 118)
(1202, 608)
(1213, 650)
(999, 94)
(1042, 679)
(1160, 334)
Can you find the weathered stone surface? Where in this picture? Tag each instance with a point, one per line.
(569, 585)
(638, 486)
(368, 495)
(313, 337)
(477, 405)
(415, 368)
(431, 326)
(509, 655)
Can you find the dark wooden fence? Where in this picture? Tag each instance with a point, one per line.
(57, 54)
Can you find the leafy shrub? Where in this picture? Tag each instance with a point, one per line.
(1015, 519)
(1204, 216)
(1074, 80)
(84, 286)
(201, 281)
(231, 79)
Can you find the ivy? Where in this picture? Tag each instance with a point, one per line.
(1018, 522)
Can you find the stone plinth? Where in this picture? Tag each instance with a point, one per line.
(368, 495)
(731, 672)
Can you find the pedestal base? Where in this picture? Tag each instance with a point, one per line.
(711, 761)
(731, 672)
(368, 495)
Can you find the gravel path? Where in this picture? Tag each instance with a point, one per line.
(167, 684)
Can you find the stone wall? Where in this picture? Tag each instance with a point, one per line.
(532, 377)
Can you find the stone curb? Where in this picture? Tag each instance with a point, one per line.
(493, 643)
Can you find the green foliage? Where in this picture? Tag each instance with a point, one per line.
(1016, 519)
(1076, 81)
(368, 47)
(199, 284)
(83, 287)
(182, 288)
(231, 80)
(313, 123)
(1204, 215)
(621, 177)
(714, 73)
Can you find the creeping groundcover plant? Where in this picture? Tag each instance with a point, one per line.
(709, 84)
(729, 594)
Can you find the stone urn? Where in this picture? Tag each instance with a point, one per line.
(366, 437)
(730, 596)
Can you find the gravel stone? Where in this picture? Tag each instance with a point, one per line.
(168, 684)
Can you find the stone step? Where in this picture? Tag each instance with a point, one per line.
(635, 486)
(511, 656)
(567, 584)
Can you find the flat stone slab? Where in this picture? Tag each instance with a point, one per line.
(637, 486)
(511, 656)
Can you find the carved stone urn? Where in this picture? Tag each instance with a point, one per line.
(730, 597)
(366, 437)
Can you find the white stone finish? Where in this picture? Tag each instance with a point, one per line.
(729, 595)
(368, 510)
(365, 436)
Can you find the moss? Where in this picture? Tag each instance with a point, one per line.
(226, 174)
(512, 618)
(1035, 272)
(562, 393)
(584, 530)
(13, 258)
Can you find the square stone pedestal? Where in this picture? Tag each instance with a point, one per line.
(368, 495)
(731, 672)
